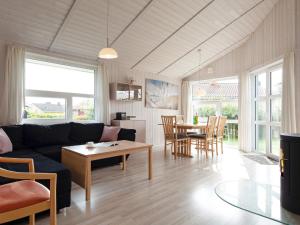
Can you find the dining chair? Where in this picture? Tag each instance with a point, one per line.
(175, 137)
(206, 140)
(219, 135)
(26, 197)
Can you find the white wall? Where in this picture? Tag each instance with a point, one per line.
(2, 64)
(154, 132)
(274, 37)
(297, 59)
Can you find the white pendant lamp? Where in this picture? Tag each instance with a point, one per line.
(108, 52)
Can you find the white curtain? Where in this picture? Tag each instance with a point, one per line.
(12, 95)
(245, 112)
(103, 94)
(186, 101)
(288, 121)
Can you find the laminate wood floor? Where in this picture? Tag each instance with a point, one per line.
(181, 192)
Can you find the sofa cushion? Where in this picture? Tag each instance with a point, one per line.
(39, 135)
(110, 134)
(83, 133)
(5, 143)
(52, 151)
(15, 134)
(107, 162)
(126, 134)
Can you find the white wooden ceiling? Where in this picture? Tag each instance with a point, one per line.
(158, 36)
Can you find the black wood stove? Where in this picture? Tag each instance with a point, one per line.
(290, 172)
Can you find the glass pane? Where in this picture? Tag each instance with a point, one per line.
(261, 138)
(83, 108)
(230, 110)
(275, 139)
(261, 85)
(59, 78)
(204, 111)
(276, 82)
(276, 109)
(260, 110)
(136, 92)
(44, 108)
(122, 91)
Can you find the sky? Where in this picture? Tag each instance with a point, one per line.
(53, 77)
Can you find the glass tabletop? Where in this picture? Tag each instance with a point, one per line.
(260, 199)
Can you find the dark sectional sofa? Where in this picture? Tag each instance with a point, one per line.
(43, 144)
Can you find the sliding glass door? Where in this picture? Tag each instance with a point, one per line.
(267, 87)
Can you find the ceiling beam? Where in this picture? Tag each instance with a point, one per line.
(202, 65)
(210, 37)
(172, 34)
(131, 22)
(63, 24)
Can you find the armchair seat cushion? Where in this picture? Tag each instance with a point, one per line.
(21, 194)
(179, 136)
(191, 132)
(198, 136)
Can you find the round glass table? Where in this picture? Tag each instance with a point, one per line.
(260, 199)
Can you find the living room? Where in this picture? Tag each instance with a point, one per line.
(149, 112)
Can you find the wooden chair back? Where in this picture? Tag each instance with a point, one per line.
(169, 122)
(221, 126)
(210, 127)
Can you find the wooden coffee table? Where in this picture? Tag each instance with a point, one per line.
(78, 159)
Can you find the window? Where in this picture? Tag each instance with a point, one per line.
(267, 110)
(57, 92)
(218, 97)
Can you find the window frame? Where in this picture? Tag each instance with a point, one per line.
(63, 95)
(268, 98)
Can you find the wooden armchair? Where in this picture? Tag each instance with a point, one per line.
(205, 140)
(26, 197)
(219, 136)
(178, 138)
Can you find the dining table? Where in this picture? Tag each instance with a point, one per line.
(190, 126)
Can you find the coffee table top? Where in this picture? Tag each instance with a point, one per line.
(104, 148)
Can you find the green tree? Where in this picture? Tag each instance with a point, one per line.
(207, 111)
(231, 111)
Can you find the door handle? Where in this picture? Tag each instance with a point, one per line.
(281, 165)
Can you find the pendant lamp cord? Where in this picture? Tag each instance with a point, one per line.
(107, 14)
(199, 73)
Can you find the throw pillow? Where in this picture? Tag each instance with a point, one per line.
(5, 143)
(110, 134)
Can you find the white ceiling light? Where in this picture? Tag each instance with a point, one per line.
(108, 52)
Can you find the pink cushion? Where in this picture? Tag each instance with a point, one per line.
(21, 194)
(110, 133)
(5, 143)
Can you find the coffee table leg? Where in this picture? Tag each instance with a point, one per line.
(150, 163)
(88, 180)
(124, 163)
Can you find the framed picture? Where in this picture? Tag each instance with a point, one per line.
(161, 94)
